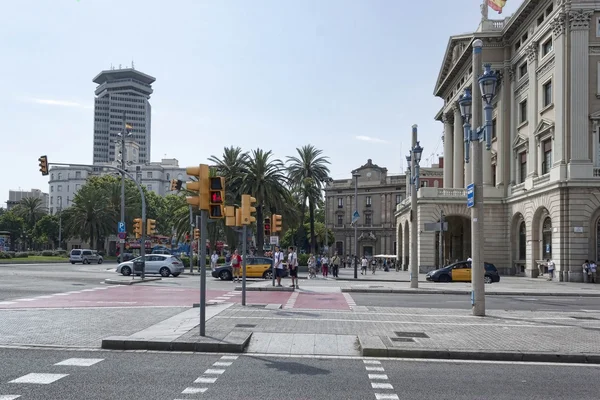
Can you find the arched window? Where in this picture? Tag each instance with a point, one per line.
(547, 238)
(522, 241)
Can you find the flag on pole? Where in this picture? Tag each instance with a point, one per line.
(128, 126)
(497, 5)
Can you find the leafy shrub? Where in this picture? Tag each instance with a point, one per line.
(4, 255)
(31, 253)
(302, 259)
(11, 254)
(61, 252)
(22, 255)
(47, 253)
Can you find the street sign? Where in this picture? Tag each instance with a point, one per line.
(471, 195)
(122, 235)
(121, 227)
(121, 241)
(275, 240)
(355, 216)
(435, 226)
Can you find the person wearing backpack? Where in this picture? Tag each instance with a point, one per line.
(293, 266)
(236, 265)
(335, 263)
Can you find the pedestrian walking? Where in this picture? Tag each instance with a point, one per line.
(335, 263)
(550, 264)
(593, 268)
(293, 266)
(236, 265)
(325, 265)
(587, 274)
(278, 263)
(312, 263)
(363, 265)
(213, 260)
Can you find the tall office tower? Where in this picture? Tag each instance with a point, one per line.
(121, 91)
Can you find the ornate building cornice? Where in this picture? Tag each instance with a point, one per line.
(548, 65)
(594, 50)
(580, 19)
(532, 52)
(558, 25)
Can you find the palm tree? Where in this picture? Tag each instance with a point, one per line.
(31, 209)
(307, 172)
(232, 167)
(265, 180)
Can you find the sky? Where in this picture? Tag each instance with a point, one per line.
(350, 77)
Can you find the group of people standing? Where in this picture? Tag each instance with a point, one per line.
(322, 263)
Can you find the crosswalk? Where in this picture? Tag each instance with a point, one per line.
(210, 376)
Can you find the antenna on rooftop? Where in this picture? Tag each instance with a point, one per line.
(132, 64)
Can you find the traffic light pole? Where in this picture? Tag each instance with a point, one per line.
(122, 241)
(202, 258)
(198, 222)
(244, 244)
(191, 252)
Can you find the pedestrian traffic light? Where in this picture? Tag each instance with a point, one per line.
(248, 209)
(267, 226)
(199, 188)
(137, 227)
(176, 185)
(43, 165)
(230, 219)
(217, 197)
(196, 234)
(238, 217)
(150, 226)
(276, 223)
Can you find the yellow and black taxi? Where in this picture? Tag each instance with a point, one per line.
(256, 267)
(461, 272)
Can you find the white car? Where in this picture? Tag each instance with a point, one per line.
(85, 256)
(162, 264)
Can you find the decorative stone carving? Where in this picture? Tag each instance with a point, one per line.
(558, 25)
(594, 50)
(446, 118)
(532, 52)
(512, 73)
(548, 65)
(580, 19)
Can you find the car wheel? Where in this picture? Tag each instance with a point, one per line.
(487, 279)
(268, 275)
(445, 278)
(176, 275)
(100, 261)
(126, 271)
(225, 275)
(72, 262)
(164, 272)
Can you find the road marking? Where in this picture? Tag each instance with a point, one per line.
(9, 397)
(292, 300)
(378, 385)
(205, 380)
(371, 362)
(375, 369)
(40, 379)
(229, 357)
(349, 300)
(6, 303)
(211, 371)
(386, 396)
(378, 376)
(61, 294)
(193, 390)
(222, 363)
(80, 362)
(44, 297)
(25, 300)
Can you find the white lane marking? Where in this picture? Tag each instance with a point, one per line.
(222, 364)
(212, 371)
(61, 294)
(40, 379)
(25, 300)
(6, 303)
(80, 362)
(229, 357)
(371, 362)
(203, 379)
(385, 396)
(375, 369)
(44, 297)
(349, 300)
(378, 376)
(9, 397)
(378, 385)
(292, 300)
(193, 390)
(217, 301)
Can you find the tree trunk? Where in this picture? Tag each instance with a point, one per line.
(91, 238)
(313, 238)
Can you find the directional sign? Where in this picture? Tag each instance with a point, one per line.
(471, 195)
(355, 216)
(274, 240)
(121, 227)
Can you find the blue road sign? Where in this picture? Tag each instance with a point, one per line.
(355, 216)
(121, 227)
(470, 195)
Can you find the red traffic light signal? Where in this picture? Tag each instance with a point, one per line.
(267, 226)
(215, 197)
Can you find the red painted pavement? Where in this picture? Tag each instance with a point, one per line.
(321, 301)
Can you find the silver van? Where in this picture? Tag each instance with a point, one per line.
(85, 256)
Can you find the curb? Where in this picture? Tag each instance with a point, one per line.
(130, 282)
(468, 292)
(373, 280)
(234, 342)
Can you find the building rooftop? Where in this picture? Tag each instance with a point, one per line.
(124, 73)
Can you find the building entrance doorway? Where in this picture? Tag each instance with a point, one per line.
(368, 251)
(456, 240)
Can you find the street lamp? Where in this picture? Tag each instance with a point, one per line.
(487, 90)
(123, 135)
(355, 176)
(328, 181)
(415, 159)
(59, 222)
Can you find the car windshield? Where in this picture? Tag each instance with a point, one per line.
(75, 252)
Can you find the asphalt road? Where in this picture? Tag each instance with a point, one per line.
(164, 376)
(463, 301)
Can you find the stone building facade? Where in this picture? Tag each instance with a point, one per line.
(542, 176)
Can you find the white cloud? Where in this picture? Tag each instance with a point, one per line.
(60, 103)
(370, 139)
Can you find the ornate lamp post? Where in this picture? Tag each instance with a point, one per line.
(415, 159)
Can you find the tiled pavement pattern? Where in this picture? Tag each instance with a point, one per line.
(47, 376)
(209, 377)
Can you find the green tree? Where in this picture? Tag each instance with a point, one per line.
(45, 231)
(31, 209)
(14, 224)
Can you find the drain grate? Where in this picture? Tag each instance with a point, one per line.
(245, 326)
(401, 339)
(411, 334)
(586, 318)
(256, 305)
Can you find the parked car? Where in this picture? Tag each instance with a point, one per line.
(256, 267)
(85, 256)
(461, 272)
(126, 257)
(162, 264)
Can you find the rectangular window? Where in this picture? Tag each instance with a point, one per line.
(547, 163)
(523, 70)
(494, 127)
(424, 183)
(368, 220)
(540, 19)
(340, 202)
(78, 175)
(549, 10)
(368, 201)
(494, 168)
(149, 187)
(522, 167)
(340, 220)
(398, 199)
(547, 47)
(523, 111)
(598, 27)
(59, 188)
(149, 175)
(547, 93)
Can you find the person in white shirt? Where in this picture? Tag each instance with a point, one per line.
(550, 264)
(363, 265)
(278, 263)
(213, 260)
(293, 266)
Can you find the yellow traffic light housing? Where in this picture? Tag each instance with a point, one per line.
(267, 226)
(199, 197)
(150, 226)
(137, 227)
(277, 223)
(217, 197)
(43, 165)
(230, 219)
(196, 234)
(238, 217)
(176, 185)
(248, 209)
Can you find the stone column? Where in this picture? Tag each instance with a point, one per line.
(532, 109)
(512, 165)
(579, 22)
(448, 152)
(382, 213)
(558, 85)
(458, 179)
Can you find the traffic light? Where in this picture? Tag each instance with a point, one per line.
(137, 227)
(150, 226)
(43, 165)
(230, 219)
(276, 223)
(267, 226)
(176, 185)
(196, 234)
(217, 197)
(199, 188)
(238, 217)
(248, 209)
